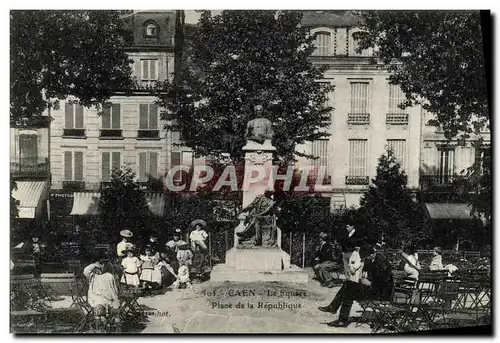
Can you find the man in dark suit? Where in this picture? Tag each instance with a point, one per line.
(325, 263)
(376, 285)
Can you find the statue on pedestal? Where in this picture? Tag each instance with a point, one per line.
(259, 129)
(259, 226)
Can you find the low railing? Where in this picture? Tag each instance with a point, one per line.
(443, 183)
(30, 167)
(358, 118)
(357, 180)
(396, 118)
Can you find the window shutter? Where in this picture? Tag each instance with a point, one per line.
(153, 117)
(145, 69)
(357, 157)
(116, 116)
(115, 163)
(142, 167)
(78, 117)
(78, 165)
(68, 167)
(152, 70)
(106, 117)
(143, 117)
(398, 147)
(106, 168)
(153, 164)
(68, 116)
(359, 97)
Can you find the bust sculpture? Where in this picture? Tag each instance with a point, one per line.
(259, 129)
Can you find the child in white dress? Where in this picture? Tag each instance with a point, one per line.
(131, 269)
(148, 268)
(182, 278)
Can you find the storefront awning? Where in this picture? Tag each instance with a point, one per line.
(156, 203)
(448, 211)
(85, 204)
(30, 195)
(88, 203)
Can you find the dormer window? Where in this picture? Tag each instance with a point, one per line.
(151, 30)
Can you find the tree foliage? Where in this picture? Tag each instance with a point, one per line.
(123, 205)
(240, 59)
(54, 54)
(14, 211)
(387, 206)
(437, 58)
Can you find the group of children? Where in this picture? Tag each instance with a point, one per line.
(158, 266)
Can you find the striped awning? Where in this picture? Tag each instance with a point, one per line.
(88, 203)
(30, 195)
(85, 204)
(156, 203)
(448, 211)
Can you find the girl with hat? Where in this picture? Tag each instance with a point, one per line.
(124, 244)
(198, 235)
(131, 269)
(150, 271)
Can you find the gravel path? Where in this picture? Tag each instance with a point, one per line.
(227, 308)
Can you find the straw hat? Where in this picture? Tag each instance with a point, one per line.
(126, 233)
(198, 222)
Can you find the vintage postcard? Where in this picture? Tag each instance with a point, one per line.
(257, 171)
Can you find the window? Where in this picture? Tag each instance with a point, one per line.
(73, 166)
(110, 161)
(358, 113)
(111, 121)
(483, 158)
(446, 164)
(353, 44)
(149, 70)
(357, 173)
(148, 165)
(148, 121)
(398, 147)
(178, 158)
(319, 148)
(151, 30)
(73, 120)
(396, 115)
(323, 44)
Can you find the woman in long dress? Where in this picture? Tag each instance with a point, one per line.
(102, 293)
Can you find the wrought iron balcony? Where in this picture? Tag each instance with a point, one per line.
(443, 183)
(148, 134)
(110, 133)
(397, 118)
(74, 186)
(37, 167)
(358, 118)
(357, 180)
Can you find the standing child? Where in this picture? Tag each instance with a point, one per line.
(148, 267)
(184, 255)
(131, 269)
(437, 259)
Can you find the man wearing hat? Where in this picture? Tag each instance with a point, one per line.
(198, 235)
(124, 244)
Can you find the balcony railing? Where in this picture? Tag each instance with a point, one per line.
(148, 134)
(396, 118)
(74, 132)
(443, 183)
(357, 180)
(30, 167)
(110, 133)
(358, 118)
(73, 186)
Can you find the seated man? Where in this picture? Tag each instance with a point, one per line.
(325, 265)
(377, 285)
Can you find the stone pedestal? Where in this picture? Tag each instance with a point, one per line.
(251, 263)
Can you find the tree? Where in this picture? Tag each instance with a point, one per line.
(239, 59)
(387, 206)
(54, 54)
(122, 205)
(437, 57)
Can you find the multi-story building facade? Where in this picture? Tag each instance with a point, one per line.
(30, 168)
(88, 143)
(365, 118)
